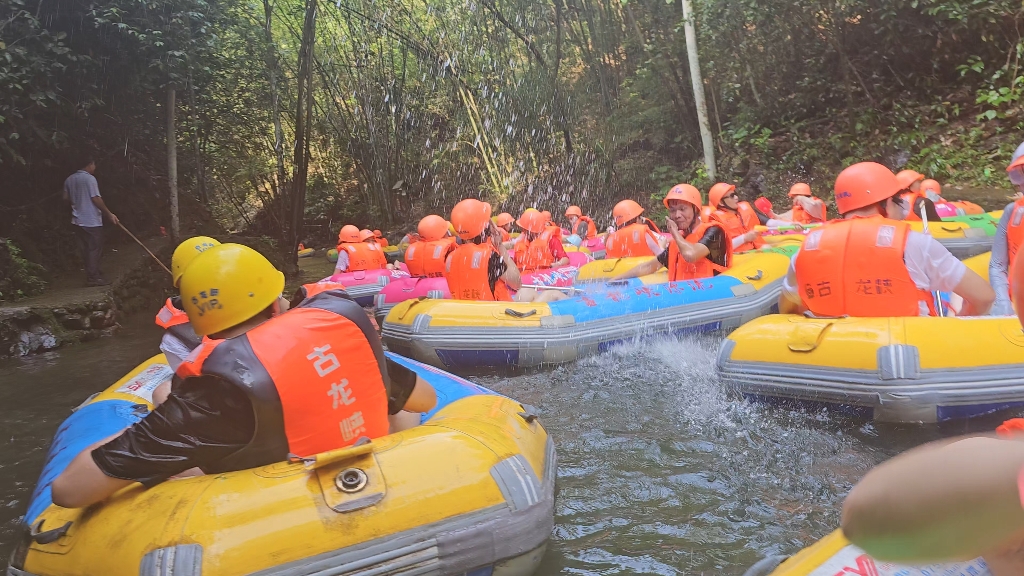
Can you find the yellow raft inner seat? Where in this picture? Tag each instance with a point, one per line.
(471, 488)
(833, 555)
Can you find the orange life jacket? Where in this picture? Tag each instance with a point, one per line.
(426, 259)
(466, 272)
(382, 241)
(315, 375)
(530, 255)
(738, 223)
(591, 228)
(555, 231)
(505, 235)
(705, 213)
(801, 216)
(629, 241)
(1014, 235)
(174, 320)
(679, 269)
(363, 256)
(910, 199)
(307, 291)
(855, 268)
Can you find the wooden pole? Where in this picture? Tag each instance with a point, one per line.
(172, 167)
(698, 89)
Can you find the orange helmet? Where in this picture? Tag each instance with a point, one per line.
(432, 227)
(908, 177)
(377, 234)
(932, 185)
(365, 234)
(684, 192)
(504, 219)
(625, 211)
(573, 211)
(719, 191)
(800, 189)
(532, 222)
(470, 218)
(348, 233)
(865, 184)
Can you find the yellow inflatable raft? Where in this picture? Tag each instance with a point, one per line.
(461, 334)
(470, 491)
(918, 369)
(833, 555)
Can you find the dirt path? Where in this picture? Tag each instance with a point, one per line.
(69, 288)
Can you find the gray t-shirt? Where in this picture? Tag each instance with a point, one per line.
(81, 188)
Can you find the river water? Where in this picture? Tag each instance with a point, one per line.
(661, 470)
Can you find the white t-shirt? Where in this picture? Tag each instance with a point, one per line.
(931, 267)
(342, 265)
(175, 350)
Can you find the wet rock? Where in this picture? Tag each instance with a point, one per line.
(76, 322)
(100, 319)
(36, 339)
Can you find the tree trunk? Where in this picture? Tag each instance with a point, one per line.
(200, 169)
(698, 89)
(303, 111)
(275, 99)
(172, 167)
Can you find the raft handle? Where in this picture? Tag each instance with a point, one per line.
(756, 277)
(49, 536)
(518, 314)
(529, 413)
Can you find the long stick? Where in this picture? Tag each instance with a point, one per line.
(146, 249)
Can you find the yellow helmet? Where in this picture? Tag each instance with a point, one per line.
(186, 252)
(227, 285)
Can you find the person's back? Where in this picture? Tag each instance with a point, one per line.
(315, 381)
(81, 188)
(856, 268)
(362, 256)
(478, 268)
(633, 240)
(426, 259)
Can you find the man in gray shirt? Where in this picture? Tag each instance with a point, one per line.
(87, 210)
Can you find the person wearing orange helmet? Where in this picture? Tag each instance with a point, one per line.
(579, 224)
(504, 223)
(426, 258)
(1007, 241)
(480, 268)
(355, 253)
(381, 240)
(634, 234)
(738, 218)
(951, 500)
(914, 197)
(807, 208)
(697, 250)
(871, 265)
(538, 247)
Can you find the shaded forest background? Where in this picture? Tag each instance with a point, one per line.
(378, 112)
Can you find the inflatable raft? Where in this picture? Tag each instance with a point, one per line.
(402, 289)
(957, 208)
(963, 236)
(914, 370)
(470, 491)
(463, 334)
(833, 555)
(364, 285)
(307, 252)
(601, 270)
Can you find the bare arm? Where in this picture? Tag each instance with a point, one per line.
(647, 267)
(691, 252)
(423, 397)
(82, 483)
(939, 503)
(98, 201)
(977, 294)
(561, 262)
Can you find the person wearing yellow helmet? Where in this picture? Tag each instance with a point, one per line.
(179, 339)
(269, 382)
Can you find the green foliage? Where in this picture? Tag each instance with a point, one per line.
(19, 278)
